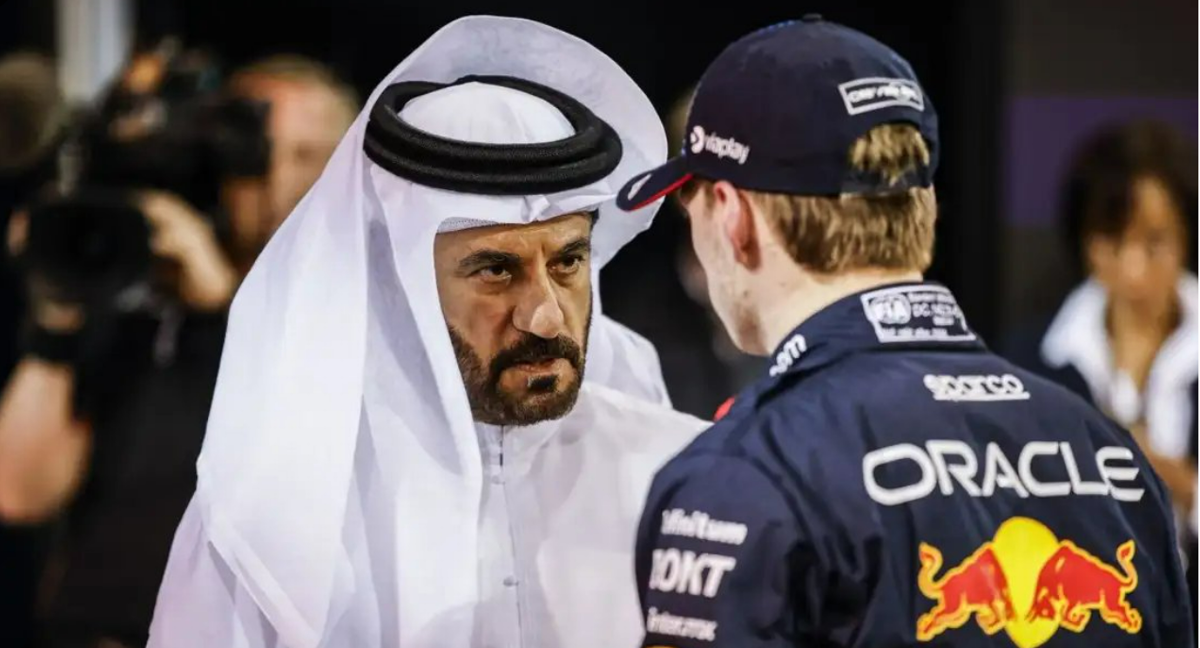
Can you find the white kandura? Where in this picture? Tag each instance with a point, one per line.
(345, 497)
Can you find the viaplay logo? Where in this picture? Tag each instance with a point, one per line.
(697, 139)
(1029, 583)
(722, 147)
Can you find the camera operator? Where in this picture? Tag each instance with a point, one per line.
(31, 119)
(104, 416)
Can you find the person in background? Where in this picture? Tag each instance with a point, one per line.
(119, 475)
(310, 110)
(32, 113)
(1126, 337)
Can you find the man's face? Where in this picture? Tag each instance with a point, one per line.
(723, 275)
(1141, 266)
(517, 301)
(305, 122)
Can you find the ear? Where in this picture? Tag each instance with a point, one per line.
(735, 219)
(1098, 253)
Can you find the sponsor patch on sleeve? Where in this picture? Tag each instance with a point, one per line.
(699, 525)
(665, 623)
(705, 541)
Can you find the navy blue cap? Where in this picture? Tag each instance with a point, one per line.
(779, 109)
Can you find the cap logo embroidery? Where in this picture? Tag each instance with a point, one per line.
(722, 147)
(865, 95)
(697, 139)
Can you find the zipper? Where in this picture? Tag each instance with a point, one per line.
(514, 540)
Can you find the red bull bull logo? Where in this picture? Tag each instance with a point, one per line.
(1028, 583)
(1074, 582)
(976, 587)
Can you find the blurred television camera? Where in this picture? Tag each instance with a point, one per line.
(133, 232)
(166, 132)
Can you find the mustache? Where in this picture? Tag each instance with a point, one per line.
(534, 349)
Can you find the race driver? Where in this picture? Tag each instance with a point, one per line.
(889, 481)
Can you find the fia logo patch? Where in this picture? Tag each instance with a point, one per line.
(916, 313)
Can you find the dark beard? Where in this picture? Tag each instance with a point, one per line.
(489, 404)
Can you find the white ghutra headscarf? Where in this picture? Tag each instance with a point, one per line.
(338, 356)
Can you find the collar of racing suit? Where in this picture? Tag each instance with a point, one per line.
(900, 316)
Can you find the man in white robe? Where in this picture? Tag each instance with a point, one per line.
(425, 433)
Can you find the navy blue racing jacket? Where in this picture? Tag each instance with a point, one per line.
(893, 483)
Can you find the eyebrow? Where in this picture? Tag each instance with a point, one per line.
(579, 246)
(485, 258)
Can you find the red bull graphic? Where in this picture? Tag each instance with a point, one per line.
(976, 586)
(1074, 582)
(1028, 583)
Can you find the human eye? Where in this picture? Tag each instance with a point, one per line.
(492, 274)
(570, 264)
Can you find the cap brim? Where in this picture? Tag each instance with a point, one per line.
(645, 188)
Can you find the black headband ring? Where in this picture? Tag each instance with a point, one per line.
(590, 154)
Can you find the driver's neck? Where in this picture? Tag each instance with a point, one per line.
(789, 304)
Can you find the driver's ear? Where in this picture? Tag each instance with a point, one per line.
(735, 219)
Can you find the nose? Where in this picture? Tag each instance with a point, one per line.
(1134, 265)
(538, 311)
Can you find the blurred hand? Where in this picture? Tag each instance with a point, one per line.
(181, 234)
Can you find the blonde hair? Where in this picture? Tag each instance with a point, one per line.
(833, 234)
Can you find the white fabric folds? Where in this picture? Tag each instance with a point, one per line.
(339, 417)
